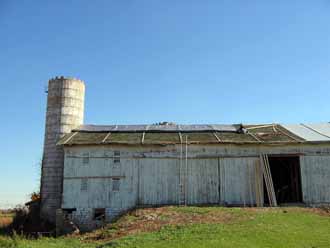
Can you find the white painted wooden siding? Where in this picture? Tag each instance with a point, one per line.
(203, 181)
(158, 181)
(315, 176)
(151, 175)
(238, 180)
(99, 174)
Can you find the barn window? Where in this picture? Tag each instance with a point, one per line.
(67, 212)
(116, 157)
(86, 158)
(99, 214)
(115, 184)
(84, 184)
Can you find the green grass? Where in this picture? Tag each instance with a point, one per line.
(289, 227)
(266, 229)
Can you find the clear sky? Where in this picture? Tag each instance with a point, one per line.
(186, 61)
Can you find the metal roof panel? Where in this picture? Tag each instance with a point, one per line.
(305, 132)
(158, 128)
(321, 128)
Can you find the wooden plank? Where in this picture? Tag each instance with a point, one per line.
(268, 180)
(250, 182)
(217, 137)
(142, 139)
(255, 137)
(258, 185)
(93, 177)
(70, 138)
(144, 133)
(106, 137)
(180, 137)
(265, 175)
(256, 127)
(271, 181)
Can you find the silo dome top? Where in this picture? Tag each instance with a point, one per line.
(62, 78)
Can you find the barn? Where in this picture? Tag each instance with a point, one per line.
(110, 169)
(102, 171)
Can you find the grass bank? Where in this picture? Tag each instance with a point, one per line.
(200, 227)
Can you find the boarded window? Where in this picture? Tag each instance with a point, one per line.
(67, 213)
(116, 157)
(86, 158)
(99, 214)
(115, 184)
(84, 184)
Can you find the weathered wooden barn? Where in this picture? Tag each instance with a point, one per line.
(90, 174)
(110, 169)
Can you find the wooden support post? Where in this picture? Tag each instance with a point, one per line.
(217, 137)
(106, 137)
(71, 136)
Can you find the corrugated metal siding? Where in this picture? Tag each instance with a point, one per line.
(315, 172)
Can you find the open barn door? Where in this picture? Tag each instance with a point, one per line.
(285, 173)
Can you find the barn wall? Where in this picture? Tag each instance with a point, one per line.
(160, 175)
(238, 180)
(158, 181)
(202, 181)
(315, 174)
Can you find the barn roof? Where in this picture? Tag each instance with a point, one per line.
(159, 127)
(311, 132)
(177, 134)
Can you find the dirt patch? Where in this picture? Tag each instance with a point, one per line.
(323, 211)
(319, 211)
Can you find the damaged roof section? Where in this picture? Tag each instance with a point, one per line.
(178, 134)
(159, 128)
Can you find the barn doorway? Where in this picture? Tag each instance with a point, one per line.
(285, 171)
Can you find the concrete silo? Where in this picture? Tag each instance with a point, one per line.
(65, 111)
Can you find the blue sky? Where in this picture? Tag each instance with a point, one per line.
(150, 61)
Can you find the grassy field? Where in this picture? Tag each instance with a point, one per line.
(201, 227)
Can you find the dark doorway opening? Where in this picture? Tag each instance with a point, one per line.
(286, 177)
